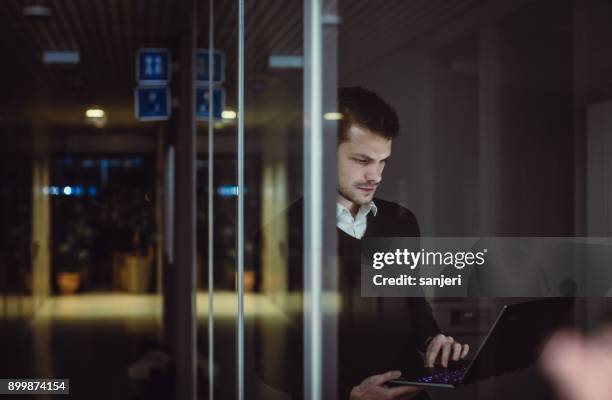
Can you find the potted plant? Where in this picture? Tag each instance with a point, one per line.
(73, 257)
(138, 265)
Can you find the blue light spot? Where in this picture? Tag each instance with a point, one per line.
(67, 190)
(228, 190)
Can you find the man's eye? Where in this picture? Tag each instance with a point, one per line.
(360, 161)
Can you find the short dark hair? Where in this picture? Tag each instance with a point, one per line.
(365, 109)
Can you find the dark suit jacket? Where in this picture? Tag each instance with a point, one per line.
(375, 335)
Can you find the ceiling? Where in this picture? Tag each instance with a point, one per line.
(107, 33)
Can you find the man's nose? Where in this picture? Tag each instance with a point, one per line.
(373, 173)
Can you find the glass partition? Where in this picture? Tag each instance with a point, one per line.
(367, 125)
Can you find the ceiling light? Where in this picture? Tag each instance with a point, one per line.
(284, 61)
(332, 116)
(95, 116)
(94, 113)
(228, 114)
(61, 57)
(36, 11)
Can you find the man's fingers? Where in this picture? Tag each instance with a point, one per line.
(466, 349)
(432, 351)
(446, 350)
(380, 379)
(456, 351)
(448, 347)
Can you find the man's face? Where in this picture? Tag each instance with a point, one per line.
(361, 161)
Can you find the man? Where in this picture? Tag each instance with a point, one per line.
(375, 335)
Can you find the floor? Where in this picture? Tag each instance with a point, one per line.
(92, 339)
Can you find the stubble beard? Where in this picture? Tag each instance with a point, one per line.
(352, 194)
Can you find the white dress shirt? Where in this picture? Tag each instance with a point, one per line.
(355, 227)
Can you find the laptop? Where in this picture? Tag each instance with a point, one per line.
(513, 342)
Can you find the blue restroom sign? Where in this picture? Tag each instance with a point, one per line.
(202, 66)
(152, 103)
(153, 66)
(202, 103)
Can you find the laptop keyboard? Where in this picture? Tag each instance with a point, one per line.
(450, 376)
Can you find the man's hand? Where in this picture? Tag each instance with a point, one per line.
(373, 388)
(445, 346)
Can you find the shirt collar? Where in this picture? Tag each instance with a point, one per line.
(373, 208)
(364, 209)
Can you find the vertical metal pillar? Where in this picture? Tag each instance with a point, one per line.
(168, 332)
(313, 200)
(211, 155)
(185, 351)
(240, 210)
(320, 253)
(329, 193)
(160, 224)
